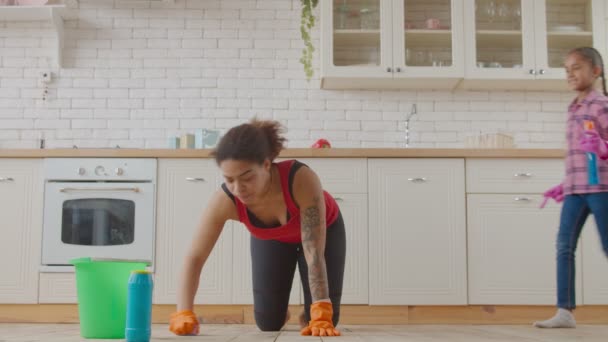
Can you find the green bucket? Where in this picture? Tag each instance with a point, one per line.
(101, 285)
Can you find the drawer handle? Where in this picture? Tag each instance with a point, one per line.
(522, 199)
(523, 175)
(339, 199)
(417, 180)
(6, 179)
(195, 179)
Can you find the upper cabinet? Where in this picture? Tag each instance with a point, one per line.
(391, 43)
(443, 44)
(510, 41)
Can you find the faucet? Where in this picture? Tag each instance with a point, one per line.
(413, 112)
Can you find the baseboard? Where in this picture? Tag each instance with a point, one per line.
(350, 314)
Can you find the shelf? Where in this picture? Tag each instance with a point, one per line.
(569, 40)
(497, 38)
(434, 38)
(50, 13)
(28, 13)
(357, 37)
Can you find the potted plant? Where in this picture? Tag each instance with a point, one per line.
(306, 24)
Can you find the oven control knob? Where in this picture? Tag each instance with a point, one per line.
(81, 171)
(100, 171)
(119, 171)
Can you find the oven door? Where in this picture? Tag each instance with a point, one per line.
(104, 220)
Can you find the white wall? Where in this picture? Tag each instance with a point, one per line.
(136, 72)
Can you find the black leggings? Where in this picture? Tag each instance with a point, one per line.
(273, 267)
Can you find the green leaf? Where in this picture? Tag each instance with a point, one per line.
(307, 22)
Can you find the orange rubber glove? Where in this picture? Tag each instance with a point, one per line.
(320, 321)
(184, 323)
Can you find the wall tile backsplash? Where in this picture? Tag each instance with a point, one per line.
(137, 72)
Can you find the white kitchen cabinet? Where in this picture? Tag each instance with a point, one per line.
(356, 270)
(184, 188)
(511, 250)
(21, 192)
(510, 41)
(346, 180)
(58, 288)
(595, 266)
(417, 232)
(389, 44)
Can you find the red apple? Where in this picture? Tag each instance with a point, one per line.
(321, 143)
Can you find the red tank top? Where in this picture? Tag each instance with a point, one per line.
(290, 232)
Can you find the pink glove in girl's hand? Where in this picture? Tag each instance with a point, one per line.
(556, 192)
(592, 142)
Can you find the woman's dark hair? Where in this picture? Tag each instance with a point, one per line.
(595, 58)
(255, 141)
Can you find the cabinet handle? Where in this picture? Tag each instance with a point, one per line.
(542, 71)
(398, 69)
(339, 199)
(522, 199)
(6, 179)
(195, 179)
(417, 180)
(523, 175)
(532, 72)
(389, 69)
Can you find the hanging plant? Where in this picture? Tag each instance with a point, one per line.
(306, 24)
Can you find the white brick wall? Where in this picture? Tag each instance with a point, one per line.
(136, 72)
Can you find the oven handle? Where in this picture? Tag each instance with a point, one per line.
(134, 189)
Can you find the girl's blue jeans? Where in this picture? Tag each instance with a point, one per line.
(575, 211)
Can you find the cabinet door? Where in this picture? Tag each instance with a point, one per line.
(500, 40)
(356, 278)
(346, 180)
(184, 188)
(595, 266)
(427, 38)
(59, 288)
(417, 231)
(242, 292)
(356, 38)
(511, 247)
(21, 212)
(561, 26)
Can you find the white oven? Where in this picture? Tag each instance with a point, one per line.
(98, 207)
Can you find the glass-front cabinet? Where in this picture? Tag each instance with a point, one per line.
(379, 43)
(441, 44)
(528, 39)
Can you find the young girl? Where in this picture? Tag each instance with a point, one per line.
(583, 67)
(291, 220)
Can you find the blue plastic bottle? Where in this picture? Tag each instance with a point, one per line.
(139, 307)
(592, 167)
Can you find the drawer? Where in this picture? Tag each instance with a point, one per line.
(340, 175)
(513, 175)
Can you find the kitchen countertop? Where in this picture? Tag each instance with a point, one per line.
(289, 153)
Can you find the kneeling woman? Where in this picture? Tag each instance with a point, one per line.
(291, 220)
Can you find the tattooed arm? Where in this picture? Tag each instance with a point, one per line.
(308, 193)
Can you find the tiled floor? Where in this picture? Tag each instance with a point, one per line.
(359, 333)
